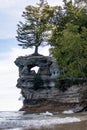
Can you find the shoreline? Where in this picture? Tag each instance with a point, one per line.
(68, 126)
(42, 121)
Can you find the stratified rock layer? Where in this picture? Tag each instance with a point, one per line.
(38, 89)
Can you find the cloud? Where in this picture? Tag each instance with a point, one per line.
(9, 94)
(10, 14)
(16, 4)
(11, 4)
(6, 4)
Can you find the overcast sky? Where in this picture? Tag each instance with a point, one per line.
(10, 15)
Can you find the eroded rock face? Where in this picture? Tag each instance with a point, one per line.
(27, 75)
(38, 89)
(30, 82)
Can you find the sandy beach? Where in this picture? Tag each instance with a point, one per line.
(72, 126)
(69, 126)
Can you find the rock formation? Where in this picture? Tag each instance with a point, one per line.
(39, 91)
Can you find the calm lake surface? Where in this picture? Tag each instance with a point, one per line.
(26, 121)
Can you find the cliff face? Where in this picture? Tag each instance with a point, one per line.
(38, 89)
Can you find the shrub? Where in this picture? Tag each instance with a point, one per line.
(37, 82)
(64, 84)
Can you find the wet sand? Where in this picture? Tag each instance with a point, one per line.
(70, 126)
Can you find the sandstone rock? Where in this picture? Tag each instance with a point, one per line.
(38, 89)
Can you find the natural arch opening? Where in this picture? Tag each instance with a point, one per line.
(35, 68)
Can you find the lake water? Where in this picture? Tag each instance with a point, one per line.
(23, 120)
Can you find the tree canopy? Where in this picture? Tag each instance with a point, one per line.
(69, 40)
(36, 29)
(64, 28)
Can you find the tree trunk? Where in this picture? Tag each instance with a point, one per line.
(36, 49)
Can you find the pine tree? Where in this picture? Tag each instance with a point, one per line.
(35, 30)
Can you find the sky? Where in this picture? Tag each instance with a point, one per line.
(10, 15)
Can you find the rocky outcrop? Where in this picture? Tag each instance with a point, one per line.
(38, 89)
(27, 75)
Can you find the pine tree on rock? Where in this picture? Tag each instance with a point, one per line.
(35, 30)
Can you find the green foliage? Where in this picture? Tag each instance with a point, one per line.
(37, 82)
(36, 29)
(67, 27)
(69, 41)
(64, 83)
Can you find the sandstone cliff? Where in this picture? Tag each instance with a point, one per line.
(38, 89)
